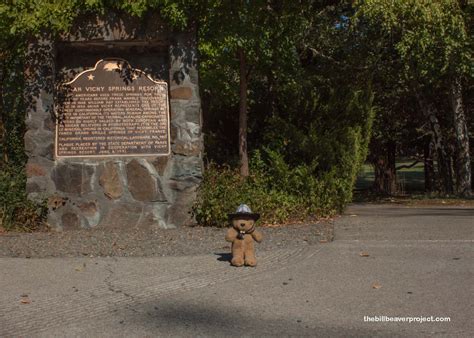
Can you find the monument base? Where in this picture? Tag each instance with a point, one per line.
(108, 185)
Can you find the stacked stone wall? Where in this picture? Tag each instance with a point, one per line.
(116, 192)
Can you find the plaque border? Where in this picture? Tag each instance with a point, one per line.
(56, 156)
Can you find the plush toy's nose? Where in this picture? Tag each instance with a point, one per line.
(242, 224)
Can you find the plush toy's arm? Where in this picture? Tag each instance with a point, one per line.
(231, 235)
(257, 236)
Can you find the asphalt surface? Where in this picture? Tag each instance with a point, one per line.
(386, 260)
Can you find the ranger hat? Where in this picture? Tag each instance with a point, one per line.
(243, 211)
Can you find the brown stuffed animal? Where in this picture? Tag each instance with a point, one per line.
(242, 234)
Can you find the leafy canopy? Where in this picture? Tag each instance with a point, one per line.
(429, 36)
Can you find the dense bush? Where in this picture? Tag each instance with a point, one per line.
(303, 166)
(276, 191)
(16, 211)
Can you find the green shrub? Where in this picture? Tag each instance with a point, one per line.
(276, 191)
(308, 154)
(16, 211)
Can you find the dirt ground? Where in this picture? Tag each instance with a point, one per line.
(160, 242)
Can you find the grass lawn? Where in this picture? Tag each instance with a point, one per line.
(409, 180)
(411, 184)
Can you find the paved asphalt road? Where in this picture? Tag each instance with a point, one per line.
(386, 260)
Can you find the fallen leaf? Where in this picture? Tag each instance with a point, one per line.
(25, 301)
(364, 254)
(353, 215)
(323, 241)
(80, 268)
(376, 285)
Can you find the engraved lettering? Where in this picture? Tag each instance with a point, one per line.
(108, 114)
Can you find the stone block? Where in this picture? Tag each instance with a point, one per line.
(160, 216)
(177, 74)
(49, 123)
(32, 188)
(110, 180)
(193, 75)
(185, 167)
(177, 109)
(160, 164)
(70, 221)
(45, 184)
(34, 120)
(181, 93)
(187, 148)
(30, 141)
(183, 184)
(179, 213)
(173, 133)
(47, 101)
(47, 151)
(35, 169)
(193, 113)
(122, 216)
(40, 144)
(90, 210)
(147, 221)
(143, 182)
(55, 202)
(73, 178)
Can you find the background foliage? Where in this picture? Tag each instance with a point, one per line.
(323, 77)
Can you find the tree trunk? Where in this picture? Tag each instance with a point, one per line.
(2, 122)
(428, 166)
(243, 155)
(429, 112)
(391, 171)
(462, 159)
(379, 170)
(385, 181)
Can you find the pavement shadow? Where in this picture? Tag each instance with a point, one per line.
(414, 212)
(429, 212)
(224, 257)
(177, 317)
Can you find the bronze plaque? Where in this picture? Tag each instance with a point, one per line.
(112, 110)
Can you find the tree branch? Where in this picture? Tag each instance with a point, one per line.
(407, 166)
(315, 52)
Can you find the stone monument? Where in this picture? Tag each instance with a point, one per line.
(114, 124)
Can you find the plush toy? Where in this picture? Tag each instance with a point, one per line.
(242, 233)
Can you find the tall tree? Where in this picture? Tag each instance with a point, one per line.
(432, 44)
(244, 39)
